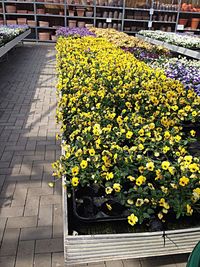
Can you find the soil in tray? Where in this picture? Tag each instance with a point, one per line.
(117, 227)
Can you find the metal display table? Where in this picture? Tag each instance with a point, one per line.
(8, 46)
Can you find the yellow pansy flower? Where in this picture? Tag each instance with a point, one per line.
(132, 219)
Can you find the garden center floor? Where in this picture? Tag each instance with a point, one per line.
(30, 213)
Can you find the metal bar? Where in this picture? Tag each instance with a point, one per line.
(8, 46)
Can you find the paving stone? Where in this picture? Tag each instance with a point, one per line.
(19, 197)
(45, 217)
(7, 261)
(21, 222)
(42, 260)
(50, 199)
(57, 221)
(49, 245)
(118, 263)
(25, 254)
(40, 191)
(10, 242)
(158, 262)
(31, 233)
(58, 260)
(2, 227)
(11, 211)
(131, 263)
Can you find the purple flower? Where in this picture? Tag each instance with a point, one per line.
(75, 32)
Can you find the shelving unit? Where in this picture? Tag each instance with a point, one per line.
(125, 15)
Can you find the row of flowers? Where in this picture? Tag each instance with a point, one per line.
(9, 32)
(185, 70)
(122, 128)
(183, 40)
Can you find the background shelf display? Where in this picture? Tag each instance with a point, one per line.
(124, 15)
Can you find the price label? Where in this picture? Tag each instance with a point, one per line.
(151, 11)
(149, 24)
(108, 20)
(180, 27)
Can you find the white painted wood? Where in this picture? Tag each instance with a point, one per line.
(8, 46)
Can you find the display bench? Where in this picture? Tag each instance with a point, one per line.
(80, 249)
(174, 48)
(44, 17)
(8, 46)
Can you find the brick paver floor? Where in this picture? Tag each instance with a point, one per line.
(30, 211)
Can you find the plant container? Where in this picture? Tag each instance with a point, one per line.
(1, 22)
(183, 21)
(11, 21)
(71, 13)
(80, 12)
(40, 11)
(81, 24)
(195, 23)
(22, 11)
(44, 36)
(81, 248)
(89, 13)
(31, 23)
(53, 38)
(43, 23)
(21, 21)
(11, 9)
(72, 23)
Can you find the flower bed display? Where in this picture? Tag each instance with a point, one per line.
(123, 134)
(7, 33)
(131, 43)
(182, 69)
(182, 40)
(75, 32)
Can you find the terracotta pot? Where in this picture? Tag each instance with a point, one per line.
(1, 22)
(81, 24)
(1, 10)
(80, 12)
(21, 21)
(44, 36)
(43, 23)
(195, 23)
(11, 9)
(89, 25)
(31, 23)
(54, 38)
(89, 13)
(11, 22)
(71, 13)
(183, 21)
(30, 12)
(40, 11)
(22, 11)
(72, 23)
(61, 13)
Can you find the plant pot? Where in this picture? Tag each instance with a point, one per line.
(43, 23)
(31, 23)
(71, 13)
(22, 11)
(61, 13)
(88, 25)
(89, 13)
(54, 38)
(80, 12)
(72, 23)
(1, 10)
(21, 21)
(183, 21)
(44, 36)
(1, 22)
(81, 24)
(195, 23)
(11, 9)
(11, 22)
(30, 12)
(40, 11)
